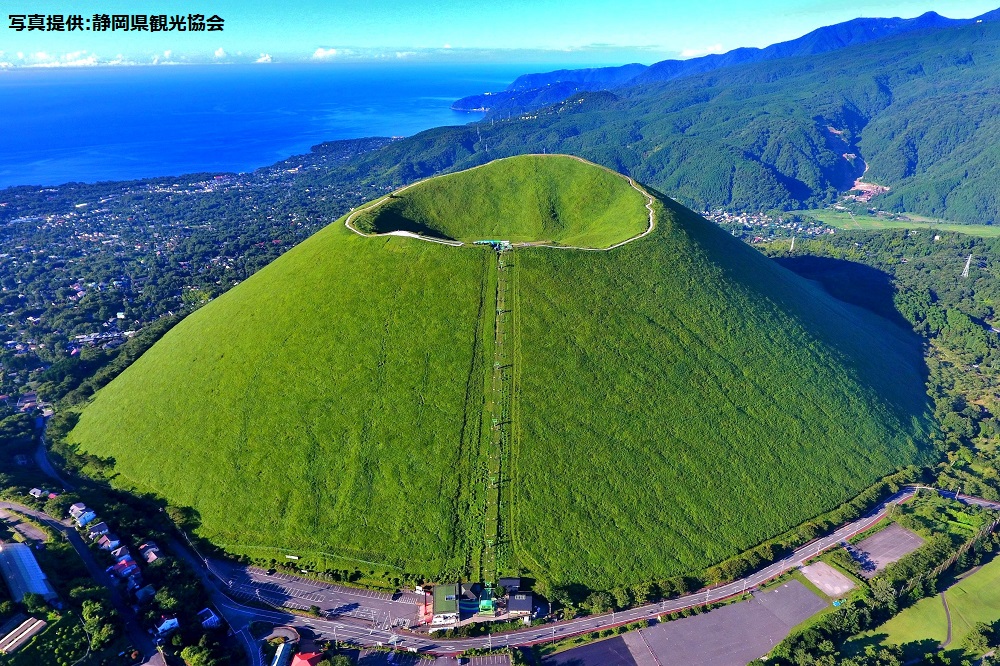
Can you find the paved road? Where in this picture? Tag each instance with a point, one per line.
(139, 638)
(382, 609)
(947, 615)
(368, 634)
(239, 615)
(42, 460)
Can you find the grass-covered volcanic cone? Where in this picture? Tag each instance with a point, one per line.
(674, 400)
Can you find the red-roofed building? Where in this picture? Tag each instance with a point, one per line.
(307, 659)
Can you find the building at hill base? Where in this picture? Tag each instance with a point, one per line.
(21, 572)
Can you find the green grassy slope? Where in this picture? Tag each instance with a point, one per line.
(683, 399)
(322, 404)
(531, 198)
(676, 399)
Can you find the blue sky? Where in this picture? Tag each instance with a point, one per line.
(537, 31)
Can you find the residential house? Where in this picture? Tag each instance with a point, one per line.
(145, 593)
(511, 585)
(76, 510)
(150, 552)
(167, 626)
(98, 530)
(520, 604)
(85, 518)
(109, 542)
(36, 492)
(119, 552)
(127, 567)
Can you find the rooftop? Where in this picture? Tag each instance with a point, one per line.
(445, 599)
(21, 572)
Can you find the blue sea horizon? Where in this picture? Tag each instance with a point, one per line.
(122, 123)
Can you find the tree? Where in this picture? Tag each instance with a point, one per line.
(34, 604)
(979, 639)
(623, 597)
(598, 602)
(198, 655)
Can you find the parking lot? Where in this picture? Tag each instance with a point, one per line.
(884, 547)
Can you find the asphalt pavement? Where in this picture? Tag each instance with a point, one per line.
(368, 633)
(368, 618)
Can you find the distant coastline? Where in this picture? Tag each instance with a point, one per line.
(150, 122)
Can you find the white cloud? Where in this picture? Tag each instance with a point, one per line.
(323, 54)
(446, 46)
(264, 57)
(220, 52)
(71, 59)
(20, 55)
(694, 53)
(166, 54)
(405, 54)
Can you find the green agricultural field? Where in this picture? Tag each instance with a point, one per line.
(528, 198)
(668, 403)
(843, 220)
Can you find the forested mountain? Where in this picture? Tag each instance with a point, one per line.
(918, 109)
(532, 91)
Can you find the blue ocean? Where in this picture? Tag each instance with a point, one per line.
(113, 123)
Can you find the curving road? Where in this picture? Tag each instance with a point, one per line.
(239, 616)
(139, 638)
(365, 633)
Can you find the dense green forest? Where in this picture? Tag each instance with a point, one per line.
(917, 109)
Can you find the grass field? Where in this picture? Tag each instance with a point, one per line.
(973, 599)
(528, 198)
(843, 220)
(674, 400)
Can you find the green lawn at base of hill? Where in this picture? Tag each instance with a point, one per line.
(842, 220)
(922, 624)
(974, 599)
(529, 198)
